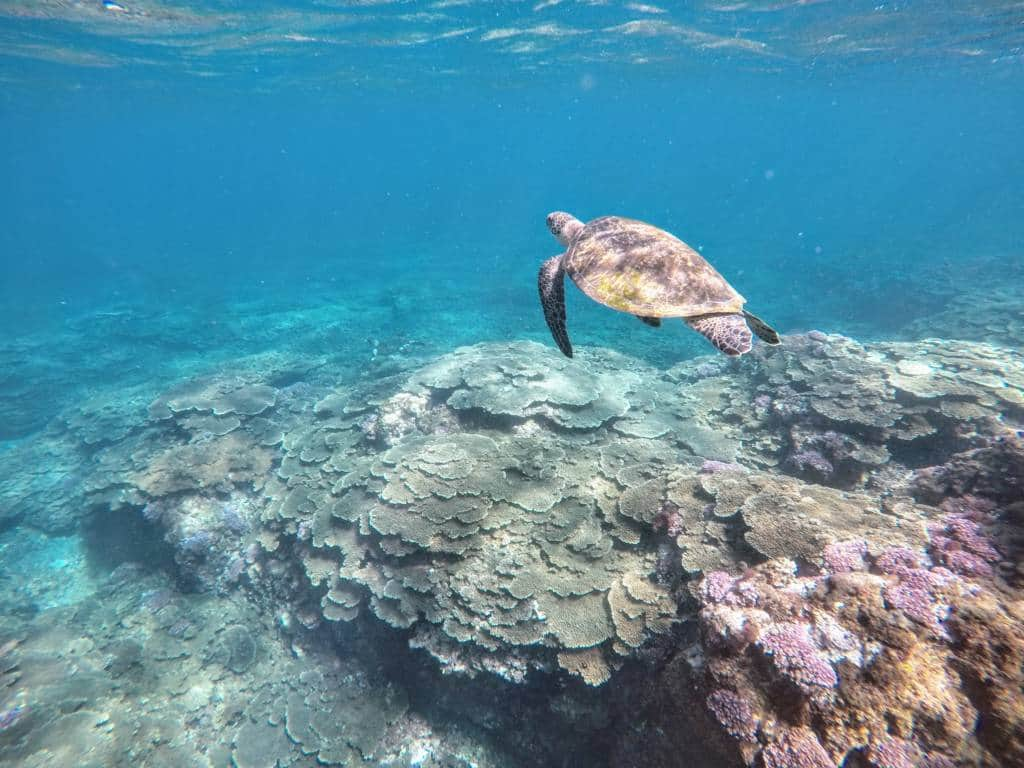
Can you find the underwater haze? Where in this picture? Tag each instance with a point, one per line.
(292, 470)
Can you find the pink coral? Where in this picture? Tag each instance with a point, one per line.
(799, 628)
(798, 748)
(716, 587)
(846, 556)
(897, 561)
(961, 544)
(733, 713)
(915, 595)
(796, 657)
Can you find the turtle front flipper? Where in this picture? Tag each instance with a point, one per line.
(764, 332)
(551, 283)
(729, 333)
(654, 322)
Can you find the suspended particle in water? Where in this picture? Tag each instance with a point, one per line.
(769, 174)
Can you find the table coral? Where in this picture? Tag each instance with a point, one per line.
(493, 529)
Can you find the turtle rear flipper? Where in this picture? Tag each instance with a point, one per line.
(729, 333)
(654, 322)
(764, 332)
(551, 283)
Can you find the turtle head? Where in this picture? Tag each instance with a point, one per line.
(564, 226)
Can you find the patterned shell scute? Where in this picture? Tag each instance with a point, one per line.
(633, 267)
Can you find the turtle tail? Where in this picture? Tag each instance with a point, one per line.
(551, 283)
(764, 332)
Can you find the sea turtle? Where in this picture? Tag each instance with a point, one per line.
(637, 268)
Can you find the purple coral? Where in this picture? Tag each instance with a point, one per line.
(897, 561)
(796, 749)
(197, 544)
(233, 519)
(812, 461)
(916, 591)
(845, 556)
(961, 543)
(716, 587)
(795, 656)
(788, 404)
(669, 520)
(733, 713)
(719, 588)
(915, 596)
(966, 563)
(893, 753)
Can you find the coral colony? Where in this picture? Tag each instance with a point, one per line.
(806, 558)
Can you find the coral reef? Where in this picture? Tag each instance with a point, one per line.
(804, 556)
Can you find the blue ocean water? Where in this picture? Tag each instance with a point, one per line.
(327, 194)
